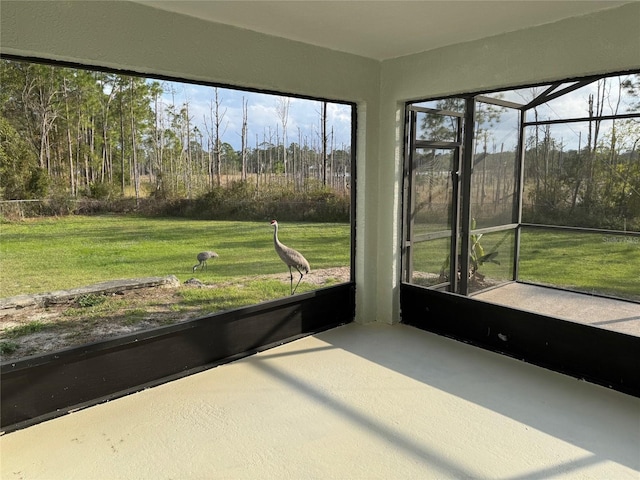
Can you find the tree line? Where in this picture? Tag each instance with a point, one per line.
(86, 133)
(595, 183)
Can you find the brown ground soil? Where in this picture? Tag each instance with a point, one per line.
(151, 307)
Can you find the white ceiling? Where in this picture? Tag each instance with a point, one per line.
(383, 29)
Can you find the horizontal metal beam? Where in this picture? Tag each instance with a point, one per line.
(425, 237)
(496, 228)
(436, 144)
(498, 101)
(580, 229)
(435, 111)
(621, 116)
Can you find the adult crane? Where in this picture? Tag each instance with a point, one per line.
(202, 259)
(292, 258)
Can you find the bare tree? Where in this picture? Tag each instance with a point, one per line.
(323, 120)
(282, 107)
(243, 137)
(187, 144)
(216, 116)
(134, 146)
(40, 96)
(66, 93)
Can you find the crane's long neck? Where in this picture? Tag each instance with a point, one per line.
(275, 235)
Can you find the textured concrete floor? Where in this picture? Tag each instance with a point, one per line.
(355, 402)
(601, 312)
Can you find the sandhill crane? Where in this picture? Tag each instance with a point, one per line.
(290, 257)
(202, 259)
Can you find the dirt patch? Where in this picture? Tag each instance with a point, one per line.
(40, 329)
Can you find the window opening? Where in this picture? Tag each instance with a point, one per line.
(110, 176)
(543, 187)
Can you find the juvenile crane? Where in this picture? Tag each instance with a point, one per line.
(291, 258)
(202, 259)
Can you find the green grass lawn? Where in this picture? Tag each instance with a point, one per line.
(588, 262)
(43, 255)
(58, 253)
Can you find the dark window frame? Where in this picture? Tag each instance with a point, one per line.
(462, 207)
(586, 352)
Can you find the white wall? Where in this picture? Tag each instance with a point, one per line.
(604, 42)
(131, 36)
(135, 37)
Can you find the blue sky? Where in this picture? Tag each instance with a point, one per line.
(304, 115)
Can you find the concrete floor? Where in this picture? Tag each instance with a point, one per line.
(355, 402)
(607, 313)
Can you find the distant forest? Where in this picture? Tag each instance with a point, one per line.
(594, 181)
(92, 134)
(76, 134)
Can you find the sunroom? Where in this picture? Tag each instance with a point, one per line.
(405, 371)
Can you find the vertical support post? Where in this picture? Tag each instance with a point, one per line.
(465, 194)
(517, 207)
(409, 193)
(354, 193)
(455, 209)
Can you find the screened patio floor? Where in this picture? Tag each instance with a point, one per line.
(357, 402)
(610, 314)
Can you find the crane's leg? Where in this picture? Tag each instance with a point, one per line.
(291, 281)
(301, 274)
(204, 265)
